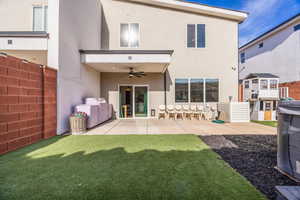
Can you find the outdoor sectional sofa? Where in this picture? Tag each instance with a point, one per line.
(98, 111)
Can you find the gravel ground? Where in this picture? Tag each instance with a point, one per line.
(253, 156)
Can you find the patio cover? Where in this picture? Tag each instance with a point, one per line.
(151, 61)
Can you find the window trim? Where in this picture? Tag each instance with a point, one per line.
(276, 84)
(129, 28)
(188, 92)
(204, 91)
(196, 37)
(260, 85)
(44, 18)
(218, 91)
(285, 91)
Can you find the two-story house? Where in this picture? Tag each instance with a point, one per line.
(141, 53)
(261, 91)
(276, 51)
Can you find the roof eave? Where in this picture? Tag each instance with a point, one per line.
(238, 16)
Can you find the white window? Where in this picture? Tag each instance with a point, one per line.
(273, 84)
(247, 84)
(283, 92)
(40, 18)
(263, 84)
(129, 35)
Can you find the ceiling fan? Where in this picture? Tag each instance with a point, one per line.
(132, 73)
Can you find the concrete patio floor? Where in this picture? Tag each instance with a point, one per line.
(154, 126)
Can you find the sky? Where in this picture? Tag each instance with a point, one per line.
(263, 14)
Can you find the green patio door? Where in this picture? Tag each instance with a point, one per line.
(141, 101)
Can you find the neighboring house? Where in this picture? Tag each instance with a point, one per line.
(276, 51)
(187, 51)
(261, 91)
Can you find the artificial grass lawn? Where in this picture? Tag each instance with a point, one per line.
(267, 123)
(125, 167)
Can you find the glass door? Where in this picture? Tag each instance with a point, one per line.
(126, 101)
(141, 101)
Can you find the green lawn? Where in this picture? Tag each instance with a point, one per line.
(267, 123)
(167, 167)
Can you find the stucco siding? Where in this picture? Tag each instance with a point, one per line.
(17, 15)
(110, 83)
(73, 30)
(279, 56)
(165, 29)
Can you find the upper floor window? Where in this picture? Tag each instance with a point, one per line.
(263, 84)
(243, 59)
(246, 84)
(196, 35)
(261, 45)
(40, 18)
(273, 84)
(297, 27)
(129, 35)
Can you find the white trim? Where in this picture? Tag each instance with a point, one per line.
(196, 36)
(43, 7)
(196, 8)
(24, 43)
(164, 59)
(133, 100)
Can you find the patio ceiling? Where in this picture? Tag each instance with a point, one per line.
(149, 61)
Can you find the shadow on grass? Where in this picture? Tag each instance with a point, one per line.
(36, 173)
(254, 157)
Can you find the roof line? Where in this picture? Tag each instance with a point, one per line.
(194, 7)
(202, 4)
(271, 30)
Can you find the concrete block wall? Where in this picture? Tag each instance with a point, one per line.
(27, 103)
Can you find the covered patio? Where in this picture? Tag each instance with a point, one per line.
(155, 126)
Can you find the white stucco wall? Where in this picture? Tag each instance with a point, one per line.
(279, 56)
(17, 15)
(166, 29)
(76, 25)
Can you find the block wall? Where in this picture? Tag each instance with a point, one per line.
(27, 103)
